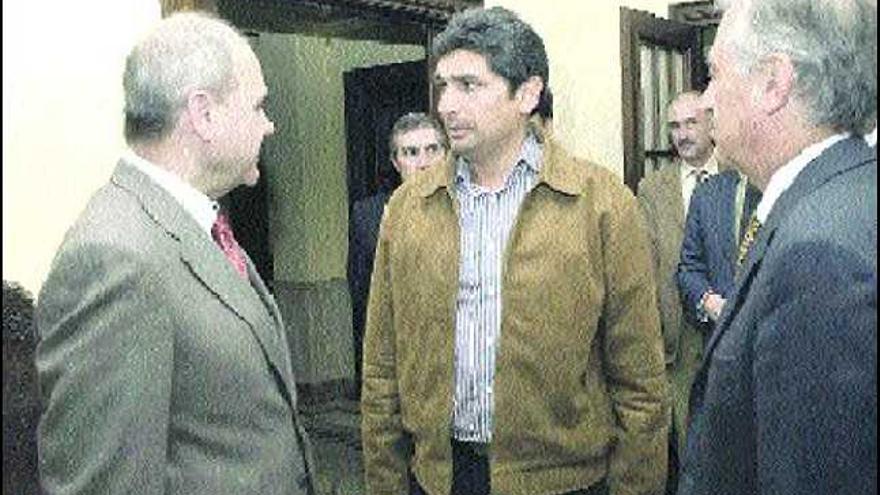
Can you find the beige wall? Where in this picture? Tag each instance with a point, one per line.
(62, 117)
(582, 39)
(306, 158)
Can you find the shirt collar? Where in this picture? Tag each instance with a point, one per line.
(530, 160)
(783, 178)
(871, 138)
(202, 208)
(711, 167)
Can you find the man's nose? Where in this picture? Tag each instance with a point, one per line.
(447, 102)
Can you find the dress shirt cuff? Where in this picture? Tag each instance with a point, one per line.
(702, 314)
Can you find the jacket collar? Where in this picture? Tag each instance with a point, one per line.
(558, 170)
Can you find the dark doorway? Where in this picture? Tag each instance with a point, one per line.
(374, 99)
(249, 214)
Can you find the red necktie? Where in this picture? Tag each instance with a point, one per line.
(222, 234)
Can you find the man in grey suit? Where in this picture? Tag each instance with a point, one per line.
(163, 364)
(786, 399)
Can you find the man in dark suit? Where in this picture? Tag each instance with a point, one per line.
(786, 399)
(716, 221)
(164, 366)
(417, 141)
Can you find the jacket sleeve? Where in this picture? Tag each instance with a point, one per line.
(386, 446)
(648, 210)
(105, 365)
(693, 267)
(633, 350)
(647, 200)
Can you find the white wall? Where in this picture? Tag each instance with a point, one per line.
(582, 38)
(62, 117)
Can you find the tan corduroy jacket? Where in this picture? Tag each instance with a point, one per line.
(579, 388)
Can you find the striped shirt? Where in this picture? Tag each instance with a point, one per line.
(485, 219)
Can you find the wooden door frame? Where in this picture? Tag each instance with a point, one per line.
(636, 27)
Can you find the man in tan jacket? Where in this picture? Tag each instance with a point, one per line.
(665, 197)
(512, 344)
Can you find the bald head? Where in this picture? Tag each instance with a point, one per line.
(184, 52)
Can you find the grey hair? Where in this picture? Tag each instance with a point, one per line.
(513, 50)
(412, 121)
(833, 46)
(184, 52)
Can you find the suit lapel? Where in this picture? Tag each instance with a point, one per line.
(268, 301)
(727, 216)
(210, 267)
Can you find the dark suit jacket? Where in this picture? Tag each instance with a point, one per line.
(786, 400)
(362, 236)
(162, 371)
(709, 249)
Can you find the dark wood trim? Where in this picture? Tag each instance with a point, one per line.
(633, 167)
(700, 13)
(171, 6)
(660, 154)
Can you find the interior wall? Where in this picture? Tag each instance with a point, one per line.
(306, 158)
(305, 163)
(583, 44)
(62, 118)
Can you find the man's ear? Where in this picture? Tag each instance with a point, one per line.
(776, 78)
(200, 112)
(529, 93)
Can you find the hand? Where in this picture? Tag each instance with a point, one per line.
(713, 304)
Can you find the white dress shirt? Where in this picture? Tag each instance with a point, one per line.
(783, 178)
(871, 138)
(202, 208)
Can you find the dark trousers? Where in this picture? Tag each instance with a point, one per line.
(470, 475)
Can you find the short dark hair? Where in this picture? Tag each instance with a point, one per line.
(412, 121)
(512, 48)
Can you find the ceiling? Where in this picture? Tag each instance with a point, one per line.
(390, 21)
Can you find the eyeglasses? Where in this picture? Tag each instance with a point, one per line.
(414, 151)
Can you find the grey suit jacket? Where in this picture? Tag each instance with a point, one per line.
(162, 371)
(786, 399)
